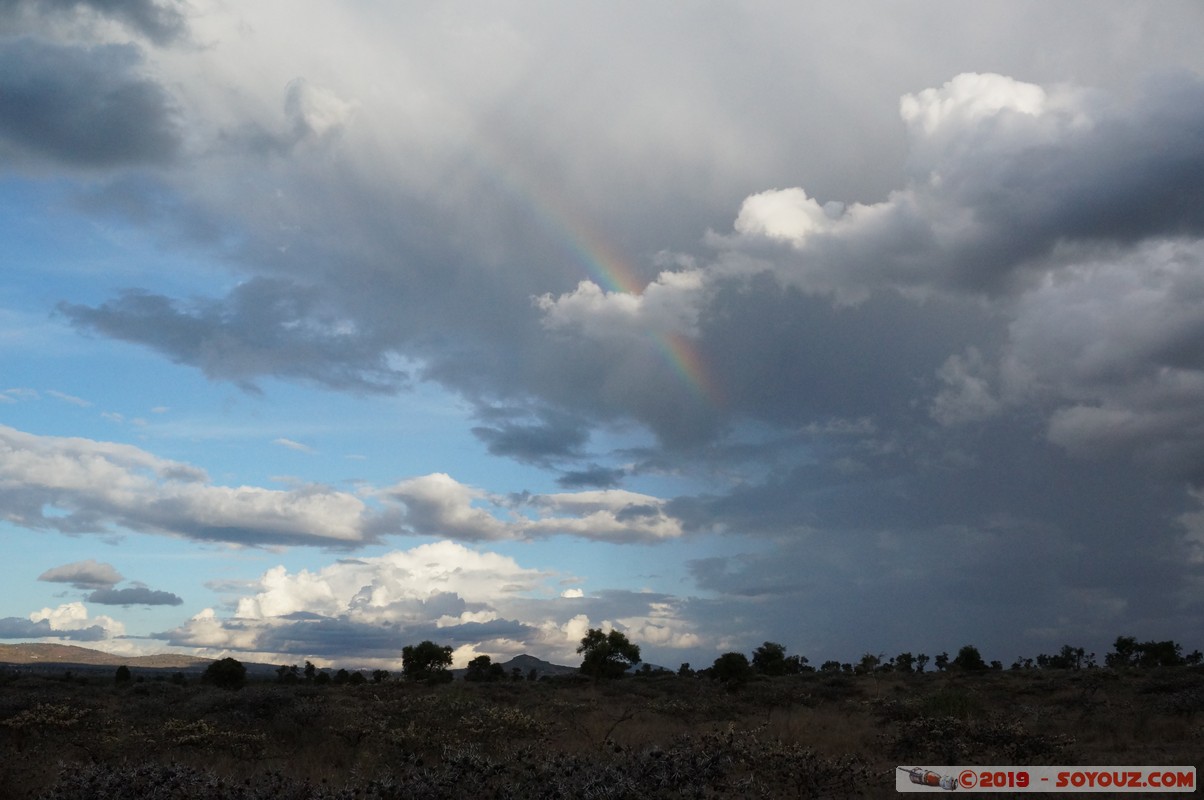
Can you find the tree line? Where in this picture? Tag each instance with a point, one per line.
(610, 655)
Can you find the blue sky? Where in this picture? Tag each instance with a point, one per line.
(326, 329)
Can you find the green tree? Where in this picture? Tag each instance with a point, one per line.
(905, 662)
(769, 659)
(1160, 654)
(287, 674)
(869, 663)
(1124, 652)
(941, 662)
(380, 675)
(921, 662)
(732, 669)
(607, 655)
(796, 664)
(123, 675)
(968, 659)
(427, 662)
(226, 673)
(483, 669)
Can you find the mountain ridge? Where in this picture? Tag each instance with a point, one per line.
(42, 654)
(48, 655)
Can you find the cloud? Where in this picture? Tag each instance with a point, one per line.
(83, 107)
(314, 111)
(1032, 215)
(134, 596)
(1003, 173)
(369, 607)
(89, 574)
(82, 486)
(439, 505)
(1114, 343)
(966, 394)
(269, 328)
(19, 628)
(67, 398)
(72, 621)
(365, 610)
(291, 445)
(596, 476)
(553, 437)
(161, 23)
(605, 515)
(959, 308)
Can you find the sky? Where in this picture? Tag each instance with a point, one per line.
(328, 328)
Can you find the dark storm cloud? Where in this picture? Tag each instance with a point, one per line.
(997, 517)
(817, 362)
(979, 342)
(85, 107)
(1003, 174)
(134, 596)
(267, 328)
(554, 437)
(161, 22)
(1015, 190)
(595, 475)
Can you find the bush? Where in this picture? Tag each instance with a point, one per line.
(607, 655)
(732, 668)
(426, 662)
(969, 659)
(228, 673)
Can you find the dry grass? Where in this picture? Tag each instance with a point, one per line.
(801, 736)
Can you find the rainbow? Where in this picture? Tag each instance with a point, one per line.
(604, 265)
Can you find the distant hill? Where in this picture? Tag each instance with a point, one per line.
(525, 663)
(69, 655)
(66, 656)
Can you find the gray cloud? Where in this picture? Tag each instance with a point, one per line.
(268, 328)
(85, 107)
(83, 486)
(335, 638)
(160, 22)
(89, 574)
(20, 628)
(556, 436)
(964, 335)
(595, 476)
(134, 596)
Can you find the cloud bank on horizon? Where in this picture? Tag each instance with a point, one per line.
(896, 356)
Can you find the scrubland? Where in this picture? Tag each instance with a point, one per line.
(808, 735)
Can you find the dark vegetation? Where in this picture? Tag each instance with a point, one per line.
(769, 726)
